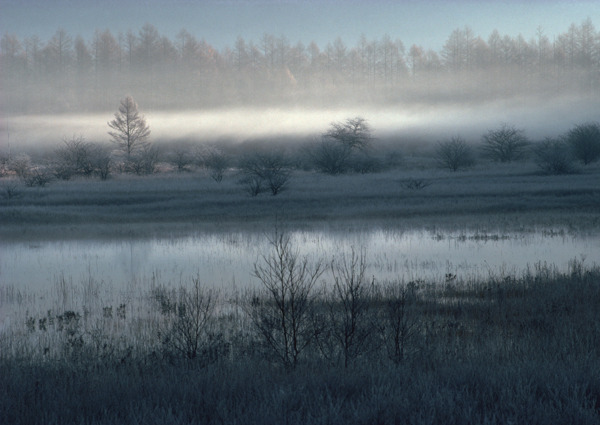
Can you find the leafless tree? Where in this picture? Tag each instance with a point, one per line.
(101, 161)
(143, 161)
(189, 318)
(553, 156)
(355, 133)
(20, 164)
(281, 312)
(505, 144)
(340, 143)
(330, 157)
(181, 158)
(584, 140)
(454, 154)
(74, 157)
(269, 169)
(215, 161)
(349, 326)
(398, 324)
(130, 130)
(37, 176)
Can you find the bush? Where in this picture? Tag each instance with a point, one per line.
(215, 161)
(189, 322)
(344, 148)
(584, 140)
(454, 154)
(505, 144)
(282, 314)
(553, 156)
(37, 176)
(271, 170)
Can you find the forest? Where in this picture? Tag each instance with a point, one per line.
(70, 74)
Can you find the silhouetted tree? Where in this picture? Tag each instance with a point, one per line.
(454, 154)
(349, 303)
(270, 169)
(215, 161)
(355, 133)
(282, 312)
(399, 326)
(74, 157)
(553, 156)
(338, 144)
(505, 144)
(584, 140)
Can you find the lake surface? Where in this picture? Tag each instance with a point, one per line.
(226, 260)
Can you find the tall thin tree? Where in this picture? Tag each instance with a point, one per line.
(131, 132)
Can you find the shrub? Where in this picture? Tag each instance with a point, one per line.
(271, 170)
(189, 314)
(215, 161)
(282, 313)
(584, 140)
(454, 154)
(349, 326)
(553, 156)
(505, 144)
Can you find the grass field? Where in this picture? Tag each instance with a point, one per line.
(489, 196)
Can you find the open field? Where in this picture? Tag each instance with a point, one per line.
(489, 196)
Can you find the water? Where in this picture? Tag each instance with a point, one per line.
(226, 260)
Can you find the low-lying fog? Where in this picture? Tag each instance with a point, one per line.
(426, 123)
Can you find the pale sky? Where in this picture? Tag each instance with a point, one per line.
(220, 22)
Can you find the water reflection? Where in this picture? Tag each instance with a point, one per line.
(226, 259)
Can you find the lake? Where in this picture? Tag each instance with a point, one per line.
(226, 260)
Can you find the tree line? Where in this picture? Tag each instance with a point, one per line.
(67, 73)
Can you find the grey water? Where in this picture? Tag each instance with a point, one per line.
(226, 260)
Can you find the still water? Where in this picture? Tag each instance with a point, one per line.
(226, 260)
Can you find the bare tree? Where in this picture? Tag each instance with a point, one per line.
(130, 131)
(584, 140)
(215, 161)
(143, 161)
(282, 312)
(399, 324)
(189, 318)
(181, 158)
(340, 143)
(354, 133)
(505, 144)
(101, 161)
(349, 303)
(454, 154)
(553, 156)
(330, 157)
(269, 169)
(20, 164)
(74, 157)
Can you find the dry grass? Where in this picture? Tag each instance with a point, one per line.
(510, 349)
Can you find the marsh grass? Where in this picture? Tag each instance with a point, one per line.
(167, 203)
(504, 349)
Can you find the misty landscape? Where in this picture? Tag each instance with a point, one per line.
(273, 231)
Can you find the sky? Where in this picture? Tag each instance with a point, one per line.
(219, 22)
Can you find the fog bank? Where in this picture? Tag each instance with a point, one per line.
(426, 123)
